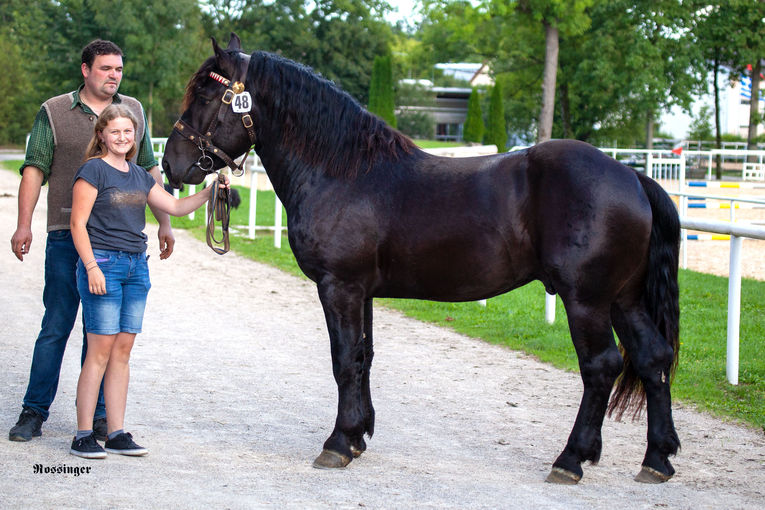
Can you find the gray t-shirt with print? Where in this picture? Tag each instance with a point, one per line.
(119, 213)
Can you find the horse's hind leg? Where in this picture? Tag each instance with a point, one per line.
(366, 395)
(599, 365)
(650, 356)
(344, 309)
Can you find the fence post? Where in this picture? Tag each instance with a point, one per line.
(734, 309)
(549, 308)
(277, 222)
(253, 204)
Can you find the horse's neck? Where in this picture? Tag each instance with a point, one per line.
(283, 173)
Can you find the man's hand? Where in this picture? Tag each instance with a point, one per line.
(29, 191)
(21, 242)
(166, 242)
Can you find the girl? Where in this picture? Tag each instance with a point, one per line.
(109, 198)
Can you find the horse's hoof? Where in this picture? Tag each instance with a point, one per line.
(331, 460)
(650, 475)
(356, 451)
(562, 477)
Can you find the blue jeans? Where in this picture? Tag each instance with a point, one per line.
(61, 302)
(121, 309)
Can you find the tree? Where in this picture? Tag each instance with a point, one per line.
(750, 54)
(15, 105)
(700, 128)
(711, 32)
(381, 101)
(568, 16)
(496, 132)
(162, 43)
(337, 38)
(474, 128)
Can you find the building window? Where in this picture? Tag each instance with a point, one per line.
(450, 132)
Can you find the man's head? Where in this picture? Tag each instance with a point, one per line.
(101, 68)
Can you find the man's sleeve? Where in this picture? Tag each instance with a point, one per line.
(41, 146)
(146, 157)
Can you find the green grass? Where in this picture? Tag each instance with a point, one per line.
(436, 144)
(516, 320)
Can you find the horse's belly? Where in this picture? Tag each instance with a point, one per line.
(455, 273)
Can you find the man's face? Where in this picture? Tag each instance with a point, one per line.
(103, 78)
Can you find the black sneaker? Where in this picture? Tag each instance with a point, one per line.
(123, 444)
(99, 429)
(87, 448)
(28, 426)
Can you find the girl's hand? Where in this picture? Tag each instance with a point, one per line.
(96, 281)
(224, 181)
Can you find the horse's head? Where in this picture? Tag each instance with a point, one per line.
(217, 123)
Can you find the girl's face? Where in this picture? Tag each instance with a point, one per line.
(118, 136)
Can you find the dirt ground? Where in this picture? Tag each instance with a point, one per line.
(232, 393)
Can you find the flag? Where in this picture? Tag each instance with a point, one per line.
(678, 148)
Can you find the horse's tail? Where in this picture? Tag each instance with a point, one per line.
(661, 295)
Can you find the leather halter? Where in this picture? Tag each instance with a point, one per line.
(204, 142)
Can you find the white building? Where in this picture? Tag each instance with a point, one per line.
(734, 109)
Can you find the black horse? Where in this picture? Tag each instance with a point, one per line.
(370, 215)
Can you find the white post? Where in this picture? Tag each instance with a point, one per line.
(253, 204)
(649, 165)
(683, 232)
(549, 308)
(192, 190)
(277, 222)
(734, 309)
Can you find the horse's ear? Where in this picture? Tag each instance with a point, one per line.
(234, 43)
(216, 48)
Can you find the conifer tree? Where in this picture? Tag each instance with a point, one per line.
(381, 99)
(497, 131)
(474, 127)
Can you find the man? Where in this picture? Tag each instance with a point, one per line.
(60, 134)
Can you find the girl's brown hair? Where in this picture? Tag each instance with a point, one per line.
(97, 148)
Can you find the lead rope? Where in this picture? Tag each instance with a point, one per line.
(219, 207)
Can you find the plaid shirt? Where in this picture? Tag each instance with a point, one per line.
(40, 147)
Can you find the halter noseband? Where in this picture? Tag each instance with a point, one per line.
(204, 142)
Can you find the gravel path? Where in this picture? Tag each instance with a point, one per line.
(232, 392)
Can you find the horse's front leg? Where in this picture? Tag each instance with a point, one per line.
(344, 307)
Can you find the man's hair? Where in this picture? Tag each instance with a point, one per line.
(98, 47)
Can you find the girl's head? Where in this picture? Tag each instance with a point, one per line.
(112, 133)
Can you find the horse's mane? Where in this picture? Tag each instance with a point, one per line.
(322, 126)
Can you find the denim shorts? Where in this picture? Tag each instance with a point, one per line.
(127, 285)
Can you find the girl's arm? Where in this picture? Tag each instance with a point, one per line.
(166, 202)
(83, 197)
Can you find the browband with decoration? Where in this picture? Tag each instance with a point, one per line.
(219, 78)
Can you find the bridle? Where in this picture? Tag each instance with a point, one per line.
(204, 142)
(218, 207)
